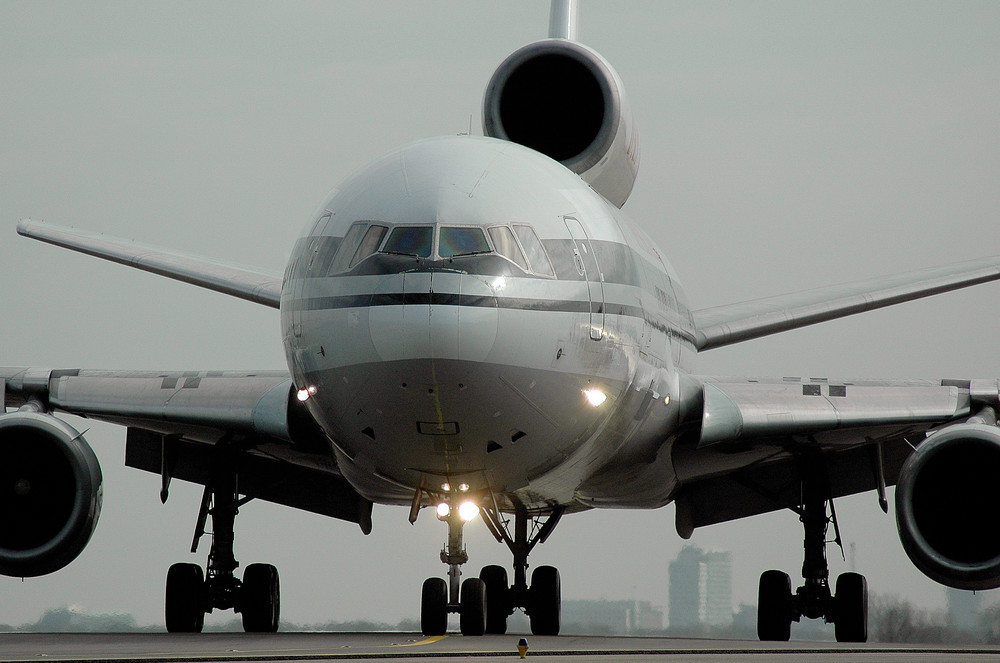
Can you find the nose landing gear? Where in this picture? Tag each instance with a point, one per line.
(485, 603)
(438, 598)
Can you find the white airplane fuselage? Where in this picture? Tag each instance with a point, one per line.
(456, 312)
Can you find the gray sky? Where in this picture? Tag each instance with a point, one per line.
(785, 145)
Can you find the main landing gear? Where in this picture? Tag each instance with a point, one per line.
(485, 603)
(190, 594)
(777, 607)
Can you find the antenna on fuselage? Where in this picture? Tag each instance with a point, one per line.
(562, 20)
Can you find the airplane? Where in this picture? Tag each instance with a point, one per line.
(474, 237)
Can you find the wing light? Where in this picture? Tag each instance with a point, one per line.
(595, 397)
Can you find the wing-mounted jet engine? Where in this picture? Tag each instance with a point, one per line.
(564, 100)
(50, 493)
(946, 505)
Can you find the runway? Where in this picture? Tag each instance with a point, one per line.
(221, 647)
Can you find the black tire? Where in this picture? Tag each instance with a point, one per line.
(260, 599)
(850, 619)
(434, 607)
(546, 601)
(472, 607)
(497, 598)
(774, 607)
(184, 607)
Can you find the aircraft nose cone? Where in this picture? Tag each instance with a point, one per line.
(439, 315)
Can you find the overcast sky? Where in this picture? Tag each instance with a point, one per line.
(785, 145)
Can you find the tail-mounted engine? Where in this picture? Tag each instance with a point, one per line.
(564, 100)
(50, 494)
(947, 504)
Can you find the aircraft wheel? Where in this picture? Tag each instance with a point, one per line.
(774, 606)
(546, 601)
(472, 612)
(851, 608)
(260, 599)
(434, 607)
(497, 598)
(183, 608)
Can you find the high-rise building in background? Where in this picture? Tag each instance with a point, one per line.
(701, 589)
(963, 608)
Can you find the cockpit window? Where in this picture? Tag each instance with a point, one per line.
(462, 242)
(538, 259)
(369, 244)
(506, 245)
(410, 241)
(342, 261)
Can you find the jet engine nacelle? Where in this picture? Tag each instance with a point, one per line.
(947, 504)
(564, 100)
(50, 494)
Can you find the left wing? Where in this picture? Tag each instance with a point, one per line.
(734, 323)
(253, 285)
(755, 435)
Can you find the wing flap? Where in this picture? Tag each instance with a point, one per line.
(733, 323)
(255, 286)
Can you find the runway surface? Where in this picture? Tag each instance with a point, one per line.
(218, 647)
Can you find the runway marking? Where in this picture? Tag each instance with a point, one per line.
(426, 641)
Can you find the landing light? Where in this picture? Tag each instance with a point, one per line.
(595, 397)
(443, 510)
(467, 511)
(463, 487)
(302, 395)
(446, 487)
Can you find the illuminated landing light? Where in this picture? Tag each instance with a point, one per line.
(467, 511)
(446, 487)
(595, 397)
(302, 395)
(443, 510)
(666, 399)
(463, 487)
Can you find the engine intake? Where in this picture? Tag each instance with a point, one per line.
(50, 494)
(947, 503)
(564, 100)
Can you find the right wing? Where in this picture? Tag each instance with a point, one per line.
(253, 285)
(181, 424)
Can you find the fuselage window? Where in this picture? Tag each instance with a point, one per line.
(410, 241)
(538, 259)
(462, 242)
(506, 245)
(369, 244)
(342, 261)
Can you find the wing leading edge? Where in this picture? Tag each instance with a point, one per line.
(255, 286)
(734, 323)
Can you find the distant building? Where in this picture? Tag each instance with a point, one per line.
(701, 589)
(963, 608)
(610, 617)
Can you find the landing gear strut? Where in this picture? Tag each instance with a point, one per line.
(438, 598)
(485, 603)
(777, 607)
(190, 594)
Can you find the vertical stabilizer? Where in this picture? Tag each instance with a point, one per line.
(562, 20)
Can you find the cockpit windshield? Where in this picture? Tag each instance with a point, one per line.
(410, 241)
(462, 242)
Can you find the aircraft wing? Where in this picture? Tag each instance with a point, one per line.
(252, 285)
(180, 423)
(744, 460)
(734, 323)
